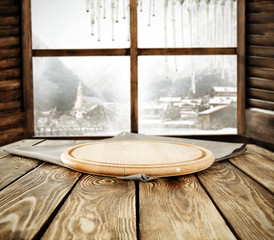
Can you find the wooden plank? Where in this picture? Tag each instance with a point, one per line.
(10, 63)
(8, 2)
(80, 52)
(262, 94)
(10, 85)
(257, 72)
(11, 117)
(9, 21)
(11, 134)
(261, 151)
(260, 83)
(246, 205)
(134, 66)
(186, 51)
(179, 208)
(260, 40)
(27, 204)
(9, 10)
(9, 42)
(263, 62)
(260, 18)
(241, 67)
(21, 143)
(260, 51)
(256, 103)
(260, 29)
(11, 96)
(97, 208)
(260, 125)
(259, 168)
(10, 74)
(13, 31)
(10, 53)
(260, 7)
(6, 106)
(27, 67)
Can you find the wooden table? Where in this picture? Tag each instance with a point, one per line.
(233, 199)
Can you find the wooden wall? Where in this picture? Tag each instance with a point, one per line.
(260, 70)
(11, 93)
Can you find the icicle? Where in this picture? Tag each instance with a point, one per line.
(230, 36)
(117, 11)
(165, 30)
(182, 21)
(141, 5)
(149, 12)
(207, 22)
(128, 13)
(222, 37)
(215, 30)
(113, 19)
(98, 20)
(153, 8)
(173, 15)
(197, 19)
(193, 87)
(124, 9)
(87, 5)
(104, 9)
(92, 16)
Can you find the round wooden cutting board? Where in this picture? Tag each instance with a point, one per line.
(123, 158)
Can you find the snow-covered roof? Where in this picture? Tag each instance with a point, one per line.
(213, 109)
(170, 99)
(225, 89)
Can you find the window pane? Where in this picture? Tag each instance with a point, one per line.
(187, 23)
(66, 24)
(81, 96)
(199, 97)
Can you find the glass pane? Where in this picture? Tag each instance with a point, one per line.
(67, 24)
(81, 96)
(187, 23)
(199, 97)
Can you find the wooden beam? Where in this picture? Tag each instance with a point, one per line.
(241, 67)
(186, 51)
(80, 52)
(27, 68)
(134, 66)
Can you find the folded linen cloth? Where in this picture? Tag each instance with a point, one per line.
(52, 154)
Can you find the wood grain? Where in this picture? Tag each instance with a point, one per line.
(260, 83)
(11, 134)
(260, 18)
(11, 117)
(265, 73)
(179, 208)
(260, 125)
(26, 205)
(241, 67)
(186, 51)
(13, 31)
(261, 151)
(255, 103)
(10, 42)
(97, 208)
(267, 95)
(133, 66)
(246, 205)
(260, 51)
(10, 63)
(10, 53)
(7, 106)
(260, 40)
(10, 85)
(261, 29)
(9, 21)
(27, 68)
(259, 168)
(10, 74)
(263, 62)
(11, 95)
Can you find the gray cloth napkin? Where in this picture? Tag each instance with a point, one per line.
(52, 154)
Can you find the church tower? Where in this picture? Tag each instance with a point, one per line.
(79, 98)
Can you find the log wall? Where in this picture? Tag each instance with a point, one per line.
(260, 70)
(11, 91)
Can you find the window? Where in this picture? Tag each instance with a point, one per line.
(157, 67)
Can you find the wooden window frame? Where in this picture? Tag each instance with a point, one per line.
(134, 52)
